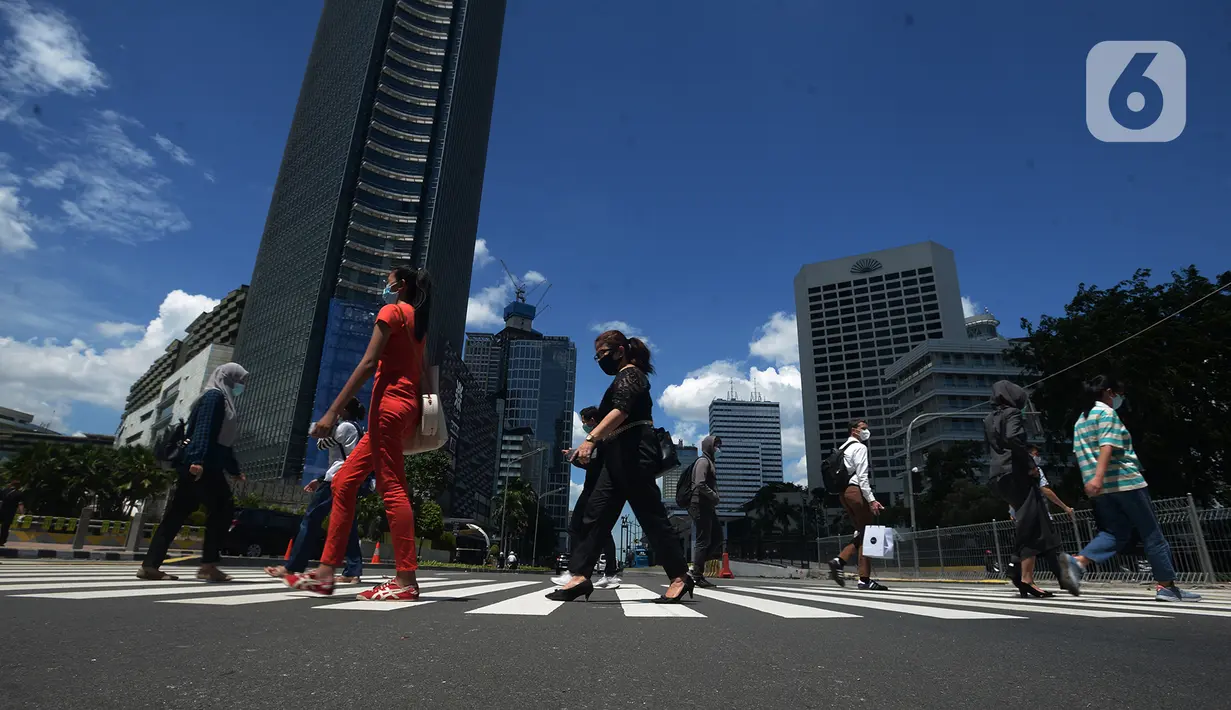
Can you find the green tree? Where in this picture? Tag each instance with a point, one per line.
(429, 520)
(1177, 375)
(953, 494)
(517, 520)
(58, 479)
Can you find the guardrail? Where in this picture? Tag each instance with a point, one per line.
(1200, 542)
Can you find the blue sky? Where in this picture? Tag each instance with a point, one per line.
(671, 174)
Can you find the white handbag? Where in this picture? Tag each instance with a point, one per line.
(877, 541)
(432, 432)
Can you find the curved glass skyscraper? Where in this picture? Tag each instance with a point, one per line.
(383, 168)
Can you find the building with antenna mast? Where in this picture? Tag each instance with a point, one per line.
(533, 378)
(751, 433)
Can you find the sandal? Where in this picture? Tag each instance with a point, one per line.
(277, 571)
(308, 582)
(210, 573)
(153, 574)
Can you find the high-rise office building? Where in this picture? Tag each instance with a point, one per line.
(671, 478)
(383, 168)
(534, 377)
(857, 316)
(751, 433)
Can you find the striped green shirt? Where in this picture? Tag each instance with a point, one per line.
(1102, 427)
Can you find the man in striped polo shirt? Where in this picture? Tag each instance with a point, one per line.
(1117, 490)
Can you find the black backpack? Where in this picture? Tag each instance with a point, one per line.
(836, 474)
(171, 444)
(683, 487)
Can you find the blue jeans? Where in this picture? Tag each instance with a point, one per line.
(310, 531)
(1121, 514)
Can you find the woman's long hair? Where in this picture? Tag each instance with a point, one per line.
(418, 295)
(637, 352)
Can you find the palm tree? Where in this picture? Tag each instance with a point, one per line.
(520, 513)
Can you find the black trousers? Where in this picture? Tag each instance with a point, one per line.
(616, 486)
(7, 513)
(215, 493)
(576, 528)
(707, 544)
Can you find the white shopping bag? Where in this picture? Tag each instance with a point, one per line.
(877, 541)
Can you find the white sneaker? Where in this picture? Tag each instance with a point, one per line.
(561, 579)
(602, 582)
(613, 582)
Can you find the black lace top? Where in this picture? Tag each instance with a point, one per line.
(630, 393)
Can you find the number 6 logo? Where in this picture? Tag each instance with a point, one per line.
(1136, 92)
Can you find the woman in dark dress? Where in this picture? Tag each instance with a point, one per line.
(630, 462)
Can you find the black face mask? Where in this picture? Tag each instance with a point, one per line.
(609, 363)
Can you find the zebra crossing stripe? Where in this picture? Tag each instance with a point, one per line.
(1112, 608)
(636, 603)
(535, 603)
(848, 599)
(1001, 605)
(163, 589)
(780, 609)
(244, 599)
(124, 583)
(455, 594)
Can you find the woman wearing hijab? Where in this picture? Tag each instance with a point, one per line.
(1014, 476)
(396, 356)
(207, 459)
(631, 458)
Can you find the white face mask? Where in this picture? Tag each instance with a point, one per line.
(864, 435)
(1116, 401)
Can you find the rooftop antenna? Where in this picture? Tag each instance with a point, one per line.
(731, 392)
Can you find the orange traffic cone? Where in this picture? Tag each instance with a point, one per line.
(376, 555)
(290, 544)
(726, 568)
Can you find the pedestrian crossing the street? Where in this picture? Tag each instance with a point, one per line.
(500, 595)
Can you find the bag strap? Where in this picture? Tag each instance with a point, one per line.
(425, 383)
(626, 427)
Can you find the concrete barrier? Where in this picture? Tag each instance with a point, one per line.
(752, 569)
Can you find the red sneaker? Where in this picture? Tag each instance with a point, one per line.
(308, 582)
(390, 591)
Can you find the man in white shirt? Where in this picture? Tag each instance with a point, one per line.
(345, 436)
(860, 504)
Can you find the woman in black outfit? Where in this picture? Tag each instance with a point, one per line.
(203, 467)
(631, 459)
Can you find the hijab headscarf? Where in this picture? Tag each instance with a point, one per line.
(224, 379)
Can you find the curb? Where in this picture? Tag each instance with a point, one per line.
(106, 556)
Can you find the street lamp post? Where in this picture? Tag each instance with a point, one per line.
(535, 549)
(504, 508)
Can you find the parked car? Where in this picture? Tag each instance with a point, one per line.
(561, 562)
(263, 533)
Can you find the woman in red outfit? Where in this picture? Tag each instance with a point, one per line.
(395, 355)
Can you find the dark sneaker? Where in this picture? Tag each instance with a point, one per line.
(873, 585)
(1070, 574)
(703, 583)
(1175, 594)
(836, 571)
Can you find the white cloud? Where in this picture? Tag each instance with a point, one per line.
(574, 492)
(15, 223)
(624, 327)
(485, 309)
(792, 441)
(687, 432)
(690, 399)
(579, 434)
(777, 341)
(177, 153)
(108, 329)
(209, 176)
(46, 53)
(798, 471)
(46, 378)
(971, 307)
(111, 187)
(482, 256)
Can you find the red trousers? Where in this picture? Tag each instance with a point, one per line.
(395, 408)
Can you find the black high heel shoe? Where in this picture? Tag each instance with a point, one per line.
(689, 584)
(585, 589)
(1030, 590)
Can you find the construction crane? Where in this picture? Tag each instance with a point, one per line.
(519, 287)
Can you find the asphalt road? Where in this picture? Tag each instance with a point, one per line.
(493, 642)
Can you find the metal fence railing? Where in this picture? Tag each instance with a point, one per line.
(1200, 542)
